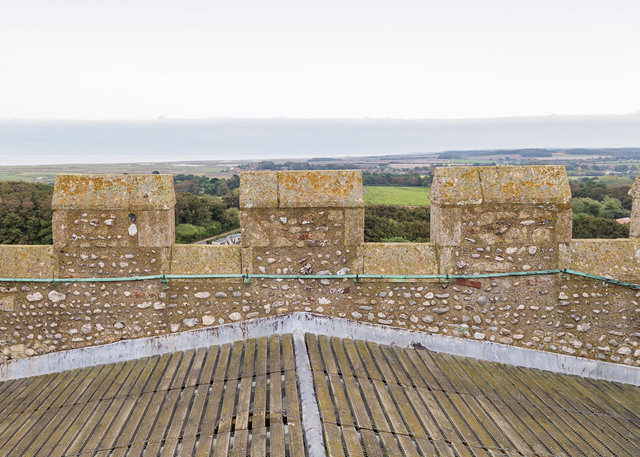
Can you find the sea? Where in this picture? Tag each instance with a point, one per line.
(166, 140)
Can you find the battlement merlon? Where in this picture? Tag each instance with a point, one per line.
(113, 225)
(315, 218)
(499, 219)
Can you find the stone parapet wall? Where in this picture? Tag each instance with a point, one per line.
(615, 259)
(312, 223)
(17, 261)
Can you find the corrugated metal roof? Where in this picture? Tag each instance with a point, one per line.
(385, 400)
(242, 399)
(223, 400)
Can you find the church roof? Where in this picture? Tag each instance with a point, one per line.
(262, 396)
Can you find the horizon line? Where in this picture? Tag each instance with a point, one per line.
(288, 118)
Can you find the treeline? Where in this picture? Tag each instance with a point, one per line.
(586, 226)
(595, 207)
(463, 155)
(598, 190)
(202, 185)
(383, 223)
(199, 217)
(205, 207)
(596, 170)
(25, 213)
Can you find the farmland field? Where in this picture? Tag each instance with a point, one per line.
(394, 195)
(48, 173)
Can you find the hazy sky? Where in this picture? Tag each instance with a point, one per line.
(132, 59)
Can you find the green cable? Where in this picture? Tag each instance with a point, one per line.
(356, 277)
(602, 278)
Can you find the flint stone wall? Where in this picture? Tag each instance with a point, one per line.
(484, 219)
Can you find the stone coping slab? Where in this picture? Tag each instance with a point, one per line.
(113, 192)
(301, 189)
(614, 259)
(530, 185)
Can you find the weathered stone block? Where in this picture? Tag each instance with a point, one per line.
(357, 261)
(258, 189)
(18, 261)
(617, 259)
(353, 226)
(400, 258)
(446, 229)
(530, 185)
(7, 303)
(563, 227)
(205, 259)
(320, 189)
(104, 192)
(254, 228)
(564, 255)
(246, 256)
(156, 228)
(455, 186)
(634, 228)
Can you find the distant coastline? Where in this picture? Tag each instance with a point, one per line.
(56, 142)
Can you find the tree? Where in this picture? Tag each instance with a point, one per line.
(384, 222)
(612, 208)
(25, 213)
(188, 233)
(586, 206)
(586, 226)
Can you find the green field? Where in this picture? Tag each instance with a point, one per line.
(47, 173)
(394, 195)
